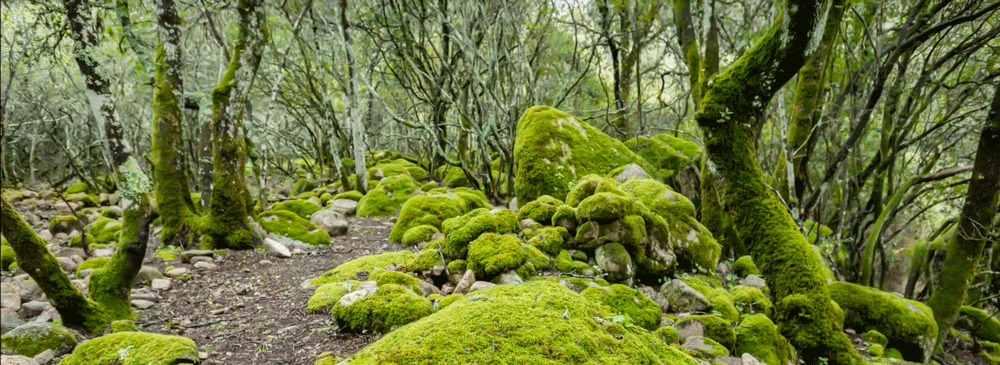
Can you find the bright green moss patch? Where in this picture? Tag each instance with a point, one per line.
(874, 336)
(659, 197)
(302, 186)
(383, 277)
(301, 208)
(620, 299)
(909, 325)
(397, 167)
(549, 240)
(33, 338)
(77, 188)
(366, 264)
(77, 240)
(744, 266)
(493, 254)
(538, 322)
(63, 224)
(92, 263)
(460, 231)
(658, 153)
(540, 210)
(453, 177)
(134, 348)
(758, 336)
(667, 334)
(104, 230)
(167, 254)
(293, 226)
(429, 209)
(449, 300)
(604, 207)
(687, 148)
(722, 305)
(981, 324)
(566, 264)
(391, 305)
(388, 196)
(327, 295)
(418, 234)
(425, 260)
(350, 195)
(124, 325)
(750, 300)
(7, 257)
(716, 328)
(876, 350)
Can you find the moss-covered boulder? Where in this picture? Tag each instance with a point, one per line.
(365, 264)
(538, 322)
(64, 224)
(388, 196)
(32, 338)
(391, 305)
(744, 266)
(622, 300)
(328, 294)
(982, 325)
(615, 261)
(492, 254)
(104, 230)
(134, 348)
(758, 336)
(715, 327)
(460, 231)
(660, 198)
(418, 234)
(349, 195)
(92, 263)
(909, 325)
(80, 187)
(549, 240)
(453, 177)
(751, 300)
(552, 150)
(659, 154)
(301, 208)
(291, 225)
(565, 263)
(396, 167)
(667, 334)
(84, 199)
(302, 186)
(429, 209)
(539, 210)
(704, 347)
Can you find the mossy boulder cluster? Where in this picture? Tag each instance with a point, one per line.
(908, 325)
(432, 209)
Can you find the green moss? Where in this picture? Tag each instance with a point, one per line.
(459, 232)
(723, 305)
(398, 167)
(92, 263)
(453, 177)
(428, 186)
(418, 234)
(383, 277)
(620, 299)
(293, 226)
(758, 336)
(7, 257)
(104, 230)
(124, 325)
(425, 260)
(429, 209)
(981, 324)
(366, 264)
(64, 224)
(388, 196)
(667, 334)
(566, 264)
(744, 266)
(537, 322)
(909, 325)
(750, 300)
(134, 348)
(327, 295)
(893, 353)
(684, 147)
(302, 186)
(87, 200)
(391, 305)
(301, 208)
(716, 328)
(549, 240)
(552, 150)
(540, 210)
(471, 199)
(565, 216)
(449, 300)
(874, 336)
(75, 241)
(33, 338)
(457, 267)
(658, 153)
(604, 207)
(876, 350)
(659, 197)
(167, 254)
(77, 188)
(350, 195)
(990, 351)
(492, 254)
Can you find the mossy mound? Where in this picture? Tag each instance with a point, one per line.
(124, 325)
(390, 306)
(418, 234)
(492, 254)
(92, 263)
(549, 240)
(367, 264)
(79, 187)
(470, 199)
(64, 224)
(540, 210)
(327, 295)
(744, 266)
(660, 198)
(33, 338)
(349, 195)
(659, 154)
(293, 226)
(425, 260)
(460, 231)
(758, 336)
(388, 196)
(620, 299)
(453, 177)
(104, 230)
(302, 186)
(382, 277)
(723, 305)
(7, 256)
(687, 148)
(552, 150)
(537, 322)
(981, 324)
(301, 208)
(667, 334)
(750, 300)
(134, 348)
(395, 167)
(77, 240)
(84, 199)
(430, 209)
(909, 325)
(716, 328)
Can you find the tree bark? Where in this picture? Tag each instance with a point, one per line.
(966, 246)
(689, 46)
(352, 103)
(730, 113)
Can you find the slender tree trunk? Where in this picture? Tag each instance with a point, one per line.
(229, 207)
(966, 246)
(689, 46)
(730, 113)
(352, 103)
(173, 195)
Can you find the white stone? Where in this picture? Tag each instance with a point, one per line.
(160, 284)
(142, 304)
(276, 248)
(177, 272)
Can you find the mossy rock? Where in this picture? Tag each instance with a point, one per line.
(667, 334)
(367, 264)
(92, 263)
(123, 325)
(552, 150)
(64, 224)
(875, 337)
(604, 207)
(293, 226)
(704, 347)
(390, 306)
(620, 299)
(492, 254)
(425, 260)
(453, 177)
(659, 197)
(758, 336)
(565, 263)
(716, 328)
(460, 231)
(537, 322)
(471, 199)
(687, 148)
(429, 209)
(301, 208)
(751, 300)
(79, 187)
(615, 261)
(302, 186)
(104, 230)
(134, 348)
(7, 257)
(981, 324)
(565, 216)
(876, 350)
(76, 241)
(549, 240)
(350, 195)
(449, 300)
(388, 196)
(694, 246)
(909, 325)
(539, 210)
(328, 294)
(382, 277)
(33, 338)
(418, 234)
(658, 153)
(396, 167)
(722, 305)
(744, 266)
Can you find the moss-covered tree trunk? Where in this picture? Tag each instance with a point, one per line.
(966, 246)
(76, 310)
(730, 113)
(227, 223)
(173, 195)
(689, 46)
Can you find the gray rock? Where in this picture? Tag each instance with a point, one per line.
(631, 171)
(204, 265)
(33, 308)
(729, 360)
(332, 222)
(705, 346)
(749, 359)
(466, 282)
(56, 336)
(148, 273)
(80, 284)
(510, 278)
(689, 329)
(44, 357)
(276, 248)
(754, 281)
(9, 322)
(48, 315)
(656, 297)
(160, 284)
(102, 252)
(343, 206)
(197, 259)
(683, 298)
(429, 288)
(142, 304)
(362, 291)
(187, 255)
(480, 285)
(513, 205)
(85, 273)
(16, 360)
(723, 269)
(45, 235)
(143, 294)
(177, 272)
(11, 301)
(614, 260)
(67, 264)
(27, 289)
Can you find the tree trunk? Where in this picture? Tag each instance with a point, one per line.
(227, 225)
(730, 113)
(352, 103)
(966, 246)
(173, 195)
(689, 46)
